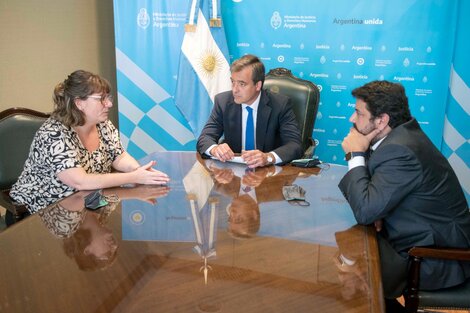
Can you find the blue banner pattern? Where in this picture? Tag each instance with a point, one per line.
(339, 45)
(456, 137)
(148, 40)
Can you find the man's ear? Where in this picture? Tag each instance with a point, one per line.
(258, 86)
(381, 122)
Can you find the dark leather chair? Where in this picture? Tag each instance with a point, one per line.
(17, 129)
(305, 97)
(454, 298)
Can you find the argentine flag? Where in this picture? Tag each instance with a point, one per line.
(203, 69)
(456, 143)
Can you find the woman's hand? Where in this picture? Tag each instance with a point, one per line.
(147, 175)
(79, 179)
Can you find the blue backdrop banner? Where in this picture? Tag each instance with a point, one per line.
(456, 143)
(148, 44)
(338, 45)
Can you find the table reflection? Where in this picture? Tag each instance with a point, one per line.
(351, 261)
(242, 202)
(86, 238)
(176, 248)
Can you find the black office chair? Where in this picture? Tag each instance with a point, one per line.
(454, 298)
(17, 129)
(305, 97)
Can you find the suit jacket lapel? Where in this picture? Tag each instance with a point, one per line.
(236, 123)
(262, 119)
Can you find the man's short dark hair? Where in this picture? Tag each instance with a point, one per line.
(385, 97)
(252, 61)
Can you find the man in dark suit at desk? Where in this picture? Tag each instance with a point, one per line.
(406, 187)
(252, 120)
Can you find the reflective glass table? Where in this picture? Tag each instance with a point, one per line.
(218, 238)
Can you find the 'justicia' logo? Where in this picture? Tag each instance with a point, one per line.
(143, 19)
(276, 20)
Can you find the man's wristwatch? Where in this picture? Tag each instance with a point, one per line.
(270, 159)
(351, 155)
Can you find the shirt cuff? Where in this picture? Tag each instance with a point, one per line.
(209, 149)
(277, 159)
(356, 161)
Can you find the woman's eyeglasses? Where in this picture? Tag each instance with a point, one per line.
(103, 99)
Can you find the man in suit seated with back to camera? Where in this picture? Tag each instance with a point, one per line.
(406, 187)
(254, 122)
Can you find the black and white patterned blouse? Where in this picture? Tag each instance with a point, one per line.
(55, 148)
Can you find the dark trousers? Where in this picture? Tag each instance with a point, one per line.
(394, 269)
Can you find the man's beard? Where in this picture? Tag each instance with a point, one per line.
(367, 130)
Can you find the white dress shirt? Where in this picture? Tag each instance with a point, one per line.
(254, 106)
(360, 160)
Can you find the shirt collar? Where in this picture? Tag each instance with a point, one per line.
(254, 105)
(377, 144)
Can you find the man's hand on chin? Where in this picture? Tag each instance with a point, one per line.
(357, 142)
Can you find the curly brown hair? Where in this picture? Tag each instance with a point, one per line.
(78, 85)
(385, 97)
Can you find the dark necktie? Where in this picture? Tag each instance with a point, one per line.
(249, 131)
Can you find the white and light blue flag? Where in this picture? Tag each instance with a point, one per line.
(456, 136)
(203, 70)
